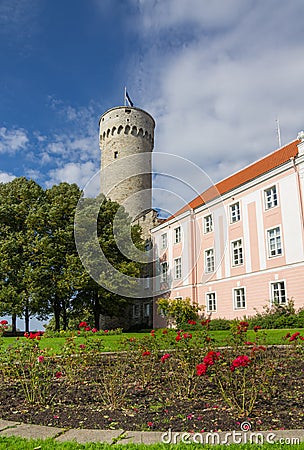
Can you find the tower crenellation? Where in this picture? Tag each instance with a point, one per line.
(127, 132)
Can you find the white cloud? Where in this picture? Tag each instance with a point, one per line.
(12, 140)
(216, 75)
(78, 138)
(6, 177)
(33, 174)
(79, 173)
(160, 15)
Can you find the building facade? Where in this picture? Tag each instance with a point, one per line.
(239, 245)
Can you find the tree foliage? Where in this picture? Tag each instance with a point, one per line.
(40, 270)
(178, 310)
(19, 201)
(93, 296)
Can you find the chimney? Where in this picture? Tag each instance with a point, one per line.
(301, 144)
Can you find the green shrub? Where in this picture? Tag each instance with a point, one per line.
(178, 311)
(278, 316)
(220, 324)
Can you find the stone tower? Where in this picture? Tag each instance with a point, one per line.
(126, 142)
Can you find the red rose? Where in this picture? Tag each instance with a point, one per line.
(240, 361)
(201, 369)
(294, 336)
(164, 357)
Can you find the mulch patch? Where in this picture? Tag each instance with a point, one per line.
(80, 405)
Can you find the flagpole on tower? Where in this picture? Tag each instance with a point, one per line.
(127, 99)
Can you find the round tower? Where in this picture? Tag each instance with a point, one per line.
(126, 141)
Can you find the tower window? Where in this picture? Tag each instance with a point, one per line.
(115, 155)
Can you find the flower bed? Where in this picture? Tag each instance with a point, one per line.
(186, 387)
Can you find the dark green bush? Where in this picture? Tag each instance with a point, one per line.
(274, 316)
(220, 324)
(278, 316)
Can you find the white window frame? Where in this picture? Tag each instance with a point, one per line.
(136, 310)
(213, 300)
(147, 282)
(163, 274)
(244, 305)
(209, 260)
(147, 309)
(237, 253)
(178, 268)
(208, 223)
(235, 215)
(278, 250)
(272, 292)
(177, 235)
(272, 200)
(164, 240)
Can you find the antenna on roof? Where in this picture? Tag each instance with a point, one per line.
(279, 132)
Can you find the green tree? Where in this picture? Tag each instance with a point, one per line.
(94, 297)
(179, 311)
(19, 201)
(59, 273)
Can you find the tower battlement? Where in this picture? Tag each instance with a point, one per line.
(126, 132)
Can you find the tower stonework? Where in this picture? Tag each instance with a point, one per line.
(126, 137)
(127, 132)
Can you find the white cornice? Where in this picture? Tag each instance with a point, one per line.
(236, 191)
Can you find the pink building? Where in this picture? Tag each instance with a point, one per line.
(239, 245)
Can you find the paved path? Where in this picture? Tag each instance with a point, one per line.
(9, 428)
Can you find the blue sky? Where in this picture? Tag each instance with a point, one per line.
(214, 75)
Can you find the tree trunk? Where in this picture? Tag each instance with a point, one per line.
(64, 315)
(14, 323)
(26, 319)
(96, 309)
(57, 309)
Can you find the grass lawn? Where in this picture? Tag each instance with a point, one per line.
(114, 342)
(14, 443)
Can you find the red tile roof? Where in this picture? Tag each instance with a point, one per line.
(258, 168)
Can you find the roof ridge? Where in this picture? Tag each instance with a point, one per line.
(220, 187)
(256, 161)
